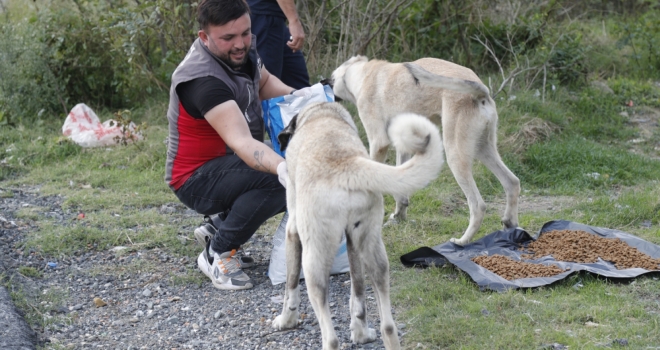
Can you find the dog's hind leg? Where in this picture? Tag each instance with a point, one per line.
(318, 256)
(461, 167)
(401, 202)
(289, 316)
(379, 141)
(360, 331)
(491, 158)
(377, 267)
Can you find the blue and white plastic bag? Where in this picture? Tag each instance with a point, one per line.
(279, 111)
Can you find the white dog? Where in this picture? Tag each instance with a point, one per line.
(334, 188)
(447, 93)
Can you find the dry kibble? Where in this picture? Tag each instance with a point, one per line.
(570, 246)
(583, 247)
(512, 270)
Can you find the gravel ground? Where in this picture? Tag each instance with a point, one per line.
(148, 310)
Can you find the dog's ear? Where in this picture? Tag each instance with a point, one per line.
(287, 133)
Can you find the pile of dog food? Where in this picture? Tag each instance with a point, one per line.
(583, 247)
(512, 270)
(570, 246)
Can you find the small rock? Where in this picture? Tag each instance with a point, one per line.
(620, 342)
(218, 314)
(146, 292)
(99, 302)
(118, 323)
(164, 209)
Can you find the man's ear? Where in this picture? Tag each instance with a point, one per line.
(287, 133)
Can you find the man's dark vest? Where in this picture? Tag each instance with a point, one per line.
(193, 142)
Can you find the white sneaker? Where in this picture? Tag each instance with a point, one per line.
(204, 234)
(224, 270)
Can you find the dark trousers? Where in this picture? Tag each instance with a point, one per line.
(227, 184)
(272, 36)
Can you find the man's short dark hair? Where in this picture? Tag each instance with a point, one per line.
(220, 12)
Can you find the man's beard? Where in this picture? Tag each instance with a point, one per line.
(226, 58)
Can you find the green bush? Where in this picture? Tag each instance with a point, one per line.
(642, 35)
(105, 54)
(28, 88)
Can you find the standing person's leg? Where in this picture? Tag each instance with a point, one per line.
(294, 68)
(269, 31)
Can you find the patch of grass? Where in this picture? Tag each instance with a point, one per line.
(29, 271)
(38, 307)
(29, 213)
(574, 164)
(189, 277)
(443, 309)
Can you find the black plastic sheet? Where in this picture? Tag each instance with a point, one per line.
(508, 243)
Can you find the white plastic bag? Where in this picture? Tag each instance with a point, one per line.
(83, 127)
(277, 266)
(279, 111)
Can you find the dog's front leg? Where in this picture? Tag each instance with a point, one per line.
(289, 316)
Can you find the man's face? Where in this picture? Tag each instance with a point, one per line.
(229, 42)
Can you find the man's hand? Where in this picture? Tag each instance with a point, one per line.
(297, 35)
(282, 173)
(295, 27)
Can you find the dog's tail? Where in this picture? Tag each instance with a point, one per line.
(420, 74)
(412, 134)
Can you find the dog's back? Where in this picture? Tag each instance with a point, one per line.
(327, 153)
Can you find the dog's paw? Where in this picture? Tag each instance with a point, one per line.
(283, 322)
(459, 241)
(364, 335)
(391, 221)
(508, 223)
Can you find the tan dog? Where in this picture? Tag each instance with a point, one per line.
(446, 93)
(335, 188)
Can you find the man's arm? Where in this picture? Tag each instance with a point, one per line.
(228, 121)
(270, 86)
(295, 26)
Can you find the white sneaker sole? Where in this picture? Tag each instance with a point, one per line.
(204, 266)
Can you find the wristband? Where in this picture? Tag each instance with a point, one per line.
(292, 91)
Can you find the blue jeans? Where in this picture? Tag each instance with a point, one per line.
(248, 196)
(272, 36)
